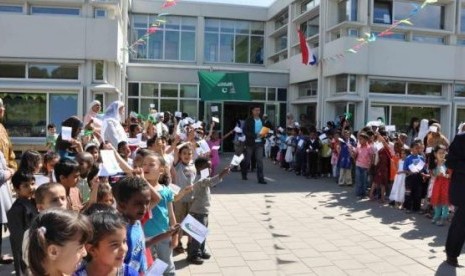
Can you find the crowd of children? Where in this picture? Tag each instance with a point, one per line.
(98, 206)
(74, 214)
(377, 159)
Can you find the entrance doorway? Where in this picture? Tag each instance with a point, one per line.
(233, 112)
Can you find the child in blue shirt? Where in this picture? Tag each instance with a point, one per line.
(415, 180)
(134, 196)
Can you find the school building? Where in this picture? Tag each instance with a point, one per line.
(57, 56)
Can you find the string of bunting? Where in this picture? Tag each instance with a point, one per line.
(371, 37)
(153, 27)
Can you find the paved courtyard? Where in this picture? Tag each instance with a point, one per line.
(299, 226)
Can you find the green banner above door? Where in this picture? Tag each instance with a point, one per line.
(217, 86)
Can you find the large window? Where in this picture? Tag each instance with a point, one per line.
(400, 116)
(459, 90)
(10, 9)
(12, 70)
(311, 27)
(430, 17)
(382, 12)
(462, 20)
(174, 40)
(428, 39)
(387, 87)
(26, 114)
(402, 88)
(281, 20)
(234, 41)
(164, 96)
(53, 71)
(308, 89)
(308, 5)
(55, 11)
(347, 10)
(345, 83)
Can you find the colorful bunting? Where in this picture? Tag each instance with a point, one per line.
(154, 27)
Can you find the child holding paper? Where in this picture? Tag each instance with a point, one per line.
(440, 195)
(185, 175)
(214, 143)
(414, 166)
(201, 205)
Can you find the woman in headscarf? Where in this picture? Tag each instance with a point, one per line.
(8, 166)
(91, 116)
(69, 149)
(423, 131)
(112, 130)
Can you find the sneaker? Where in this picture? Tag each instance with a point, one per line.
(205, 256)
(262, 181)
(195, 260)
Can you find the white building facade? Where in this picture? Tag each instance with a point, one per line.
(57, 56)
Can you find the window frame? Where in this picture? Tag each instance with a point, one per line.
(220, 34)
(31, 10)
(47, 93)
(163, 29)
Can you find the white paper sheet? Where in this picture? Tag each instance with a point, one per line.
(238, 130)
(204, 146)
(322, 136)
(390, 128)
(215, 147)
(109, 162)
(214, 108)
(194, 228)
(237, 160)
(216, 120)
(301, 143)
(178, 114)
(429, 150)
(157, 269)
(175, 188)
(204, 174)
(41, 179)
(433, 128)
(66, 133)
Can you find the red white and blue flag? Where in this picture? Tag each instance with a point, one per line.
(308, 58)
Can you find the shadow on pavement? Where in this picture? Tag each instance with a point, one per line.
(280, 181)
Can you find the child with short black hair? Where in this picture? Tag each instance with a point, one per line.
(20, 215)
(201, 206)
(134, 196)
(185, 175)
(67, 174)
(86, 161)
(56, 242)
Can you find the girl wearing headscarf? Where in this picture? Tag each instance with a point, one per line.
(112, 129)
(7, 168)
(92, 116)
(69, 149)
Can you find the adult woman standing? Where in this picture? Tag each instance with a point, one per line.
(112, 130)
(413, 129)
(8, 166)
(92, 114)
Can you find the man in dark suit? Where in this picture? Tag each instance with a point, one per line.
(456, 237)
(254, 144)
